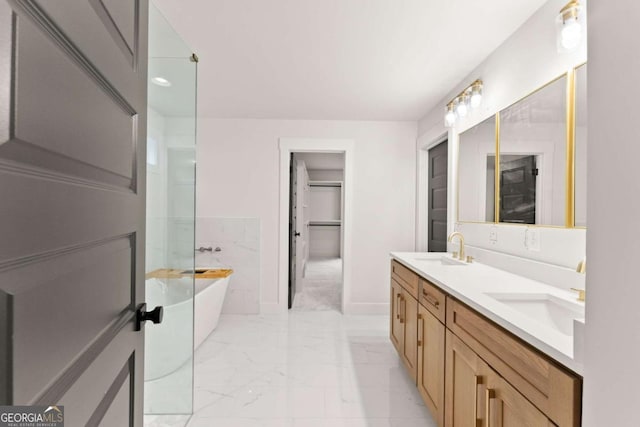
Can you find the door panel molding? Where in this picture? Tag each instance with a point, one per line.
(129, 52)
(70, 375)
(111, 394)
(95, 133)
(21, 157)
(7, 26)
(55, 34)
(58, 252)
(101, 271)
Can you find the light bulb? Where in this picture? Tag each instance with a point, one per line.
(570, 34)
(476, 99)
(160, 81)
(450, 117)
(461, 109)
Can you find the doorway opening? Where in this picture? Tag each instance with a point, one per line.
(316, 195)
(315, 231)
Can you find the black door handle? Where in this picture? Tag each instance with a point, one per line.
(297, 234)
(142, 315)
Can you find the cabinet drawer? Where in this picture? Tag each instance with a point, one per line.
(407, 278)
(433, 299)
(554, 390)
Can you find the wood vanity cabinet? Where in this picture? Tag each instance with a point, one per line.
(404, 316)
(470, 371)
(552, 389)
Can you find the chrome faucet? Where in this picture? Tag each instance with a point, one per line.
(461, 238)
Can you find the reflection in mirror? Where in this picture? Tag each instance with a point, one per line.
(533, 158)
(580, 190)
(476, 172)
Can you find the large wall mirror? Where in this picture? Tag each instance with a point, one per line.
(476, 173)
(580, 192)
(540, 146)
(533, 157)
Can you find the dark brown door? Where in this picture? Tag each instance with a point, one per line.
(437, 212)
(72, 206)
(293, 219)
(518, 189)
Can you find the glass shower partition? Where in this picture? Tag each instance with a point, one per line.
(170, 235)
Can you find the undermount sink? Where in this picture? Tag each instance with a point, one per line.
(545, 308)
(444, 260)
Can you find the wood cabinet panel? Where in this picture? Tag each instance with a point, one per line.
(433, 299)
(431, 355)
(395, 327)
(407, 278)
(409, 317)
(505, 407)
(463, 385)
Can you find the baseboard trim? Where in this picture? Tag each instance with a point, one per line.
(366, 308)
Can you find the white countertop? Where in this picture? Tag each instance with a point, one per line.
(470, 284)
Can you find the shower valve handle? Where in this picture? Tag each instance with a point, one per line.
(142, 315)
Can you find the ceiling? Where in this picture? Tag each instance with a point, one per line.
(337, 59)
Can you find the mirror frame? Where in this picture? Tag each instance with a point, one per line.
(570, 141)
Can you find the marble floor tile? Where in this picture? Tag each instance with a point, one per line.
(321, 287)
(304, 369)
(166, 420)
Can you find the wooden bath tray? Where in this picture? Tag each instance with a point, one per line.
(200, 273)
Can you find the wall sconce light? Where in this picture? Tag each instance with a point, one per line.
(469, 99)
(569, 26)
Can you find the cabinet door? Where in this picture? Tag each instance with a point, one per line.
(396, 326)
(464, 385)
(409, 316)
(506, 407)
(431, 352)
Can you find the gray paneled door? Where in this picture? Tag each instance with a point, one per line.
(437, 214)
(72, 180)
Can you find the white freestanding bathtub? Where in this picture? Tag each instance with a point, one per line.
(168, 345)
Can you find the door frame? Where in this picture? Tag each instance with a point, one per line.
(422, 187)
(314, 145)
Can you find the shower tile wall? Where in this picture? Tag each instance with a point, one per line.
(239, 241)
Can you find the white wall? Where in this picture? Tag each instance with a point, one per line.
(238, 176)
(326, 174)
(239, 243)
(612, 342)
(523, 63)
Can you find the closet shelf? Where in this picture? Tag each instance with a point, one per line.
(325, 183)
(328, 223)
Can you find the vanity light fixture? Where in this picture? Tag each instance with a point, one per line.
(160, 81)
(470, 98)
(569, 25)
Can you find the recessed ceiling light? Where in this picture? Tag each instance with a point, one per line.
(161, 81)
